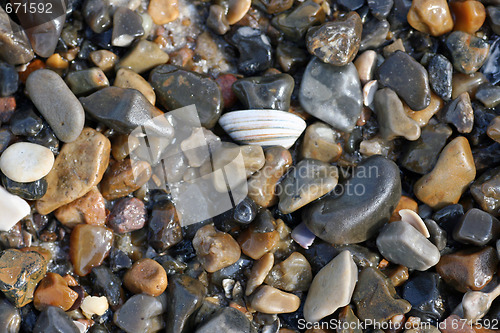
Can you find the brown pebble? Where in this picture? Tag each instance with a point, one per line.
(255, 244)
(163, 11)
(89, 246)
(320, 143)
(104, 59)
(273, 301)
(127, 215)
(146, 276)
(466, 83)
(422, 117)
(122, 145)
(236, 10)
(397, 275)
(88, 209)
(53, 290)
(7, 108)
(469, 15)
(430, 17)
(124, 177)
(494, 129)
(259, 271)
(55, 61)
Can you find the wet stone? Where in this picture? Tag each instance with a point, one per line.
(104, 59)
(229, 320)
(354, 218)
(295, 24)
(468, 52)
(486, 189)
(8, 79)
(351, 4)
(469, 15)
(88, 209)
(440, 72)
(459, 113)
(466, 83)
(267, 299)
(332, 94)
(397, 45)
(265, 92)
(319, 143)
(10, 318)
(290, 57)
(28, 191)
(163, 11)
(254, 48)
(26, 162)
(124, 177)
(477, 227)
(438, 236)
(403, 244)
(146, 276)
(240, 215)
(46, 138)
(494, 18)
(376, 298)
(336, 42)
(489, 95)
(470, 269)
(86, 81)
(176, 87)
(380, 8)
(25, 122)
(97, 15)
(141, 313)
(259, 272)
(143, 56)
(431, 17)
(306, 182)
(407, 78)
(494, 129)
(107, 284)
(164, 228)
(128, 214)
(54, 320)
(217, 20)
(53, 290)
(292, 274)
(366, 64)
(374, 34)
(127, 25)
(90, 245)
(276, 6)
(255, 243)
(17, 49)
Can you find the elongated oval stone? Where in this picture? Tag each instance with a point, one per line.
(367, 202)
(57, 103)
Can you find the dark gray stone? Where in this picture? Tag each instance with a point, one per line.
(29, 191)
(107, 284)
(477, 227)
(374, 34)
(440, 72)
(227, 320)
(380, 8)
(254, 48)
(351, 4)
(265, 92)
(54, 320)
(25, 122)
(127, 25)
(459, 113)
(8, 79)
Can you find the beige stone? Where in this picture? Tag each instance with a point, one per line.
(430, 17)
(126, 78)
(271, 300)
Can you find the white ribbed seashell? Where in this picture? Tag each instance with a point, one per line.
(263, 127)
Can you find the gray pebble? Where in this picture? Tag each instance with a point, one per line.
(459, 113)
(10, 319)
(227, 320)
(141, 313)
(127, 25)
(477, 227)
(54, 320)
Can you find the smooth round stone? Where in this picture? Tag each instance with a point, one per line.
(126, 78)
(128, 214)
(141, 313)
(331, 288)
(127, 25)
(407, 78)
(265, 92)
(53, 319)
(468, 52)
(403, 244)
(477, 227)
(486, 191)
(9, 79)
(94, 305)
(440, 72)
(332, 94)
(26, 162)
(267, 299)
(336, 42)
(228, 320)
(431, 17)
(28, 191)
(254, 48)
(366, 204)
(10, 318)
(380, 8)
(163, 11)
(319, 143)
(13, 209)
(366, 64)
(104, 59)
(17, 48)
(57, 103)
(143, 56)
(459, 113)
(146, 276)
(292, 274)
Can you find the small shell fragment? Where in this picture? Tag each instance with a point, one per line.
(409, 216)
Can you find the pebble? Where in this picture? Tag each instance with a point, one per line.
(466, 83)
(469, 269)
(141, 313)
(126, 78)
(431, 17)
(469, 15)
(237, 9)
(104, 59)
(57, 103)
(468, 52)
(423, 117)
(374, 34)
(195, 147)
(19, 275)
(450, 177)
(87, 81)
(292, 274)
(351, 4)
(89, 246)
(459, 113)
(276, 6)
(290, 57)
(355, 217)
(13, 209)
(9, 79)
(176, 87)
(336, 42)
(332, 287)
(185, 295)
(332, 94)
(259, 272)
(127, 26)
(229, 320)
(147, 277)
(438, 236)
(54, 320)
(476, 227)
(440, 72)
(306, 182)
(267, 299)
(393, 119)
(164, 227)
(489, 95)
(6, 138)
(376, 298)
(94, 305)
(163, 11)
(403, 244)
(320, 143)
(255, 243)
(17, 48)
(215, 249)
(74, 174)
(143, 56)
(380, 8)
(108, 284)
(494, 18)
(262, 184)
(486, 191)
(426, 293)
(53, 290)
(28, 191)
(407, 78)
(124, 177)
(421, 155)
(494, 129)
(88, 209)
(26, 123)
(10, 318)
(128, 214)
(397, 45)
(366, 64)
(254, 48)
(26, 162)
(124, 110)
(295, 23)
(97, 15)
(265, 92)
(240, 215)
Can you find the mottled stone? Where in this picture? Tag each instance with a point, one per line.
(267, 299)
(450, 177)
(423, 117)
(146, 276)
(265, 92)
(10, 318)
(143, 56)
(459, 113)
(88, 209)
(320, 143)
(468, 52)
(292, 274)
(28, 191)
(255, 243)
(127, 215)
(53, 290)
(255, 51)
(332, 94)
(476, 227)
(440, 72)
(86, 81)
(486, 191)
(90, 245)
(124, 177)
(141, 313)
(431, 17)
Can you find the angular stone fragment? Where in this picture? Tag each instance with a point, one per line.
(424, 116)
(440, 72)
(259, 272)
(90, 245)
(459, 112)
(468, 52)
(16, 48)
(124, 177)
(228, 320)
(292, 274)
(53, 290)
(126, 78)
(86, 81)
(53, 319)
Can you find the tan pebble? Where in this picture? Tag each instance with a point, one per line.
(122, 145)
(104, 59)
(55, 61)
(494, 129)
(365, 64)
(89, 209)
(273, 301)
(320, 143)
(124, 177)
(146, 276)
(422, 117)
(430, 17)
(95, 305)
(53, 290)
(451, 176)
(237, 9)
(259, 271)
(143, 56)
(253, 157)
(126, 78)
(163, 11)
(393, 47)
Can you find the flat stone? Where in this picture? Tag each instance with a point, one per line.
(392, 117)
(469, 269)
(331, 288)
(28, 191)
(75, 173)
(143, 56)
(355, 217)
(126, 78)
(54, 320)
(486, 191)
(375, 297)
(26, 162)
(407, 78)
(176, 87)
(141, 313)
(468, 52)
(336, 42)
(332, 94)
(229, 320)
(265, 92)
(440, 72)
(477, 227)
(267, 299)
(57, 103)
(17, 48)
(292, 274)
(403, 244)
(320, 143)
(86, 81)
(89, 246)
(255, 51)
(90, 209)
(306, 182)
(459, 112)
(431, 17)
(127, 25)
(450, 177)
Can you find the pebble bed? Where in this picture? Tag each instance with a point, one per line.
(368, 133)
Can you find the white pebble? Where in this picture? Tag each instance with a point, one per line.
(13, 209)
(26, 162)
(369, 91)
(95, 305)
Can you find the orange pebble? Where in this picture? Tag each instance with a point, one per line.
(53, 290)
(430, 17)
(469, 15)
(404, 203)
(33, 66)
(57, 62)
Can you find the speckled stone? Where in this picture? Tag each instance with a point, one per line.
(440, 72)
(468, 52)
(295, 23)
(459, 113)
